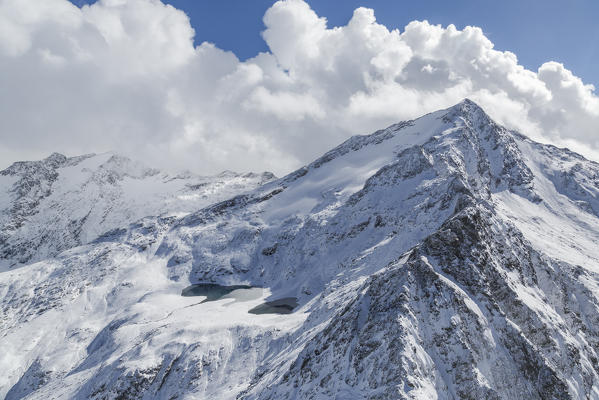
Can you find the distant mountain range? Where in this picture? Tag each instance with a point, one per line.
(58, 203)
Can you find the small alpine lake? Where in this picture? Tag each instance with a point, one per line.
(241, 293)
(285, 305)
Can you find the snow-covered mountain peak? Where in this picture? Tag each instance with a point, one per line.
(471, 144)
(467, 108)
(441, 258)
(55, 159)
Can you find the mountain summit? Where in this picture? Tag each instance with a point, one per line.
(441, 258)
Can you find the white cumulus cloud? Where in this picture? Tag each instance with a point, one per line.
(124, 75)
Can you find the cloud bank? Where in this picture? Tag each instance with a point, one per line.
(124, 75)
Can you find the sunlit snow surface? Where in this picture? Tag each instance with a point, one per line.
(132, 312)
(557, 226)
(436, 259)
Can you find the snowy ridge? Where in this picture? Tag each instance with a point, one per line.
(441, 258)
(57, 203)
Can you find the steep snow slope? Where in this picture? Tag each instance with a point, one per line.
(445, 257)
(52, 205)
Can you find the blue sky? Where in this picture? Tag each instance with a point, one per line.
(535, 30)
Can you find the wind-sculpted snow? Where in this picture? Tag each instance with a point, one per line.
(441, 258)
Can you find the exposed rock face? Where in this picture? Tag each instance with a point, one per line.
(445, 257)
(451, 320)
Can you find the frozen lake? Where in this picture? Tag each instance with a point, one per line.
(213, 292)
(240, 293)
(282, 306)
